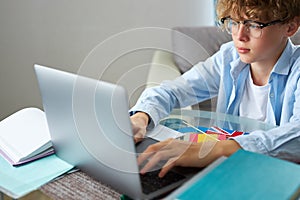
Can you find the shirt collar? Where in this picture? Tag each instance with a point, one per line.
(236, 67)
(282, 65)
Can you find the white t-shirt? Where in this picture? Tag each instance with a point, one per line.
(254, 101)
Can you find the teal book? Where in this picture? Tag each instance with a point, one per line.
(21, 180)
(244, 175)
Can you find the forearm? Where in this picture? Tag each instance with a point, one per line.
(159, 101)
(153, 106)
(228, 147)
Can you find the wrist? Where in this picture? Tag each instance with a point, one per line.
(228, 147)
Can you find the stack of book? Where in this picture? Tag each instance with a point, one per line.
(27, 159)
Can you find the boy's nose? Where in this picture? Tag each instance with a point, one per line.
(242, 33)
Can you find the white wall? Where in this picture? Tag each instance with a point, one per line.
(62, 33)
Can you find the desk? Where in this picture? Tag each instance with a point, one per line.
(80, 186)
(209, 119)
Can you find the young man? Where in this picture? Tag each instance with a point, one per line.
(257, 75)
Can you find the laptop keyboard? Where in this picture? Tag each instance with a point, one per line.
(151, 182)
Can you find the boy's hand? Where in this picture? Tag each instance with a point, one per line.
(185, 154)
(139, 123)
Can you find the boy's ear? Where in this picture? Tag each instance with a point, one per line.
(293, 26)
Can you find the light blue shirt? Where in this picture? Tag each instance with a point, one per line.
(224, 75)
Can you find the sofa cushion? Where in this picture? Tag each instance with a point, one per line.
(193, 44)
(296, 38)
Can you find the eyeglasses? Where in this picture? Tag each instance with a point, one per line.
(254, 28)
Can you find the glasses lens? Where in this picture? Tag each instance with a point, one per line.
(252, 28)
(232, 26)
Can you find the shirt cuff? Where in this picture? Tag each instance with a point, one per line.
(251, 143)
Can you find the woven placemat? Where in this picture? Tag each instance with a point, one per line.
(78, 185)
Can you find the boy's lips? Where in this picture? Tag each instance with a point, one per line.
(242, 50)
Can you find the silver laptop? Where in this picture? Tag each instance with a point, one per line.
(90, 128)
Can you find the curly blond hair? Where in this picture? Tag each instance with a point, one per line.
(263, 10)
